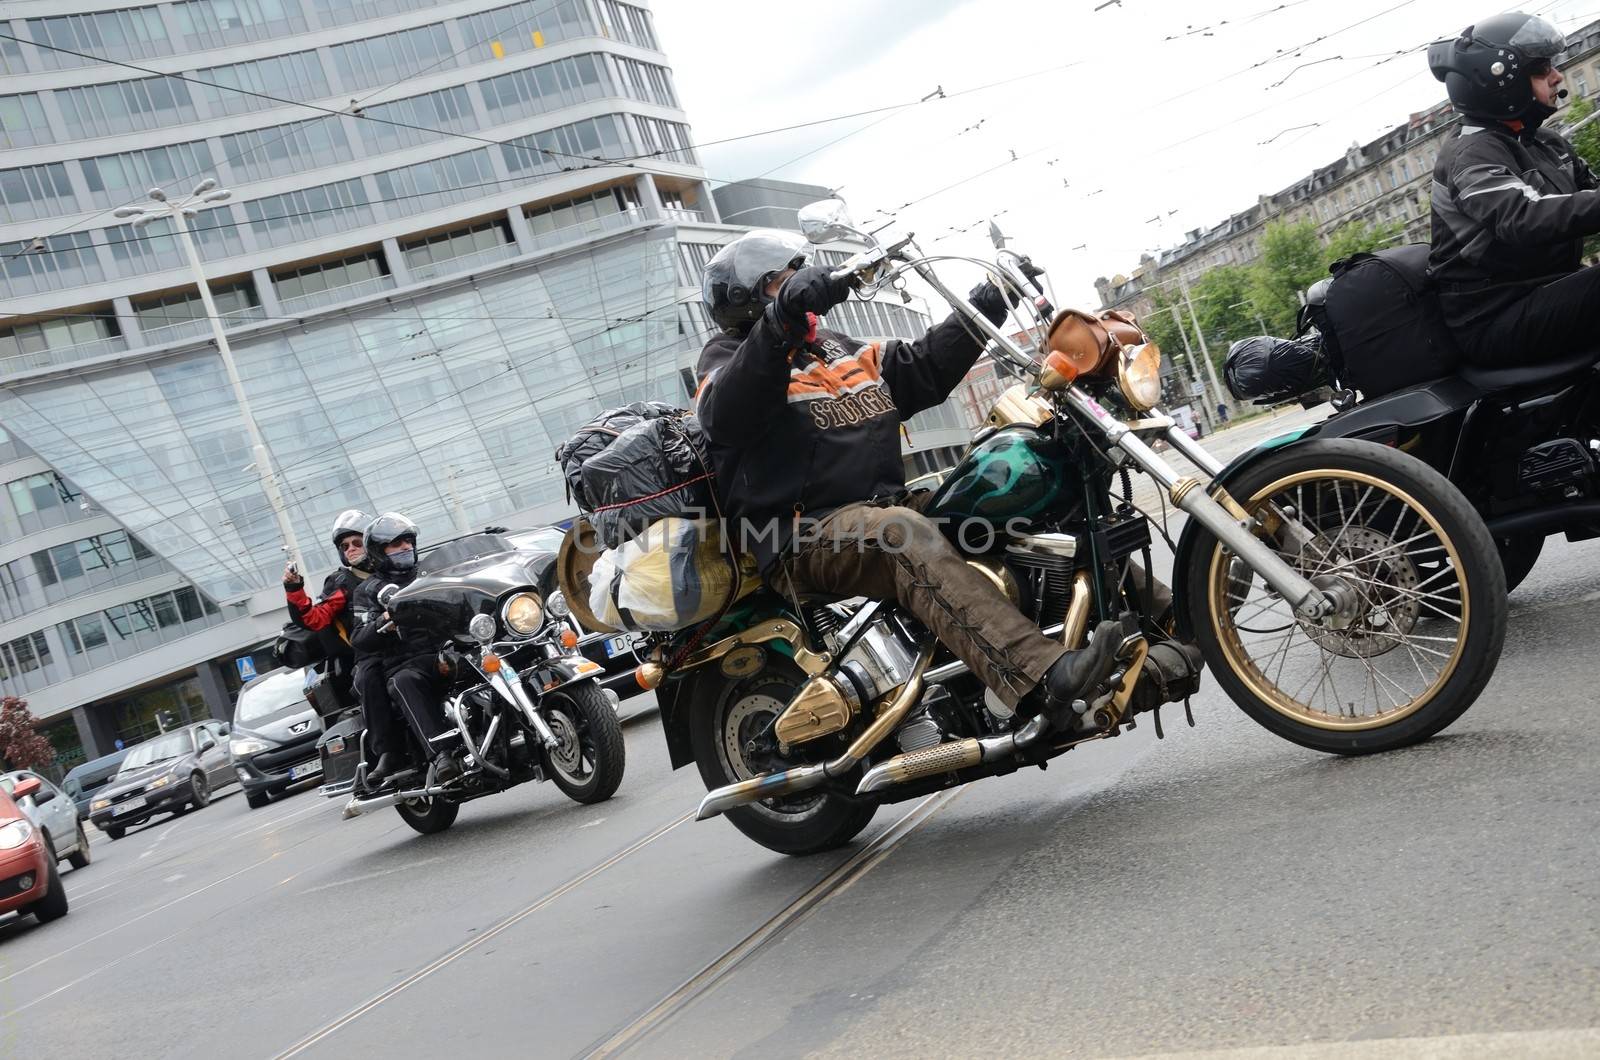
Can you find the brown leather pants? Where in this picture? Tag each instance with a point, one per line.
(897, 553)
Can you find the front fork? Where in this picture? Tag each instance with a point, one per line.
(505, 680)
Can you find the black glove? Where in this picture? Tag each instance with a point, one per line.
(811, 290)
(292, 581)
(987, 299)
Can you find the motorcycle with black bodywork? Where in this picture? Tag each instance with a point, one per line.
(1344, 594)
(528, 706)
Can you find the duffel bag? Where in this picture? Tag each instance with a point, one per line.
(1382, 320)
(654, 469)
(672, 576)
(1267, 369)
(594, 436)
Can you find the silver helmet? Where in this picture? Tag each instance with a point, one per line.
(350, 521)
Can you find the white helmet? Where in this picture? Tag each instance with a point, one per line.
(350, 521)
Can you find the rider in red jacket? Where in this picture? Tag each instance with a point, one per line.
(330, 616)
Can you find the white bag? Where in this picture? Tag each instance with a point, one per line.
(670, 577)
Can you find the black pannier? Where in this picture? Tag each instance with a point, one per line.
(596, 435)
(1380, 322)
(657, 468)
(298, 646)
(1268, 370)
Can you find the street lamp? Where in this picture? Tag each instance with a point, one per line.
(205, 194)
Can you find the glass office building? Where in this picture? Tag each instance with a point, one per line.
(498, 233)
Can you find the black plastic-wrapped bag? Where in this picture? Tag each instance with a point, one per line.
(596, 435)
(1264, 368)
(654, 469)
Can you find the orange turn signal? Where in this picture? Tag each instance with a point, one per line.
(569, 639)
(1058, 371)
(491, 663)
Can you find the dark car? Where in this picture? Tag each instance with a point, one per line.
(84, 780)
(613, 651)
(275, 734)
(166, 774)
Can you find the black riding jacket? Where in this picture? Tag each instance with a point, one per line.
(333, 615)
(1510, 213)
(397, 646)
(802, 428)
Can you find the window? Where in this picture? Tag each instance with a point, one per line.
(22, 120)
(180, 308)
(215, 23)
(330, 275)
(344, 12)
(666, 139)
(448, 245)
(310, 213)
(138, 251)
(1580, 81)
(521, 27)
(296, 76)
(11, 58)
(558, 148)
(432, 185)
(694, 257)
(107, 110)
(62, 333)
(627, 23)
(647, 82)
(67, 261)
(116, 179)
(132, 33)
(41, 491)
(448, 110)
(524, 93)
(36, 191)
(379, 61)
(554, 216)
(282, 150)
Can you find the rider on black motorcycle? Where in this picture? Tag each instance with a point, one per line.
(1512, 202)
(332, 616)
(806, 423)
(400, 668)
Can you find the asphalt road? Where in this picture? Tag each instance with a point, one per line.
(1220, 889)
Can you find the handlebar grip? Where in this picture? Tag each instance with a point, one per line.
(843, 272)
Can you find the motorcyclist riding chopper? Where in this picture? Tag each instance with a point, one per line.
(804, 428)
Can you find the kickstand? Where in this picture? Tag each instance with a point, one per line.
(1187, 712)
(1155, 715)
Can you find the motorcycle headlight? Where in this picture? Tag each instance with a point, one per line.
(1139, 377)
(15, 834)
(557, 605)
(522, 614)
(246, 745)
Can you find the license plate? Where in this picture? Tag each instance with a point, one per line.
(616, 646)
(305, 769)
(127, 807)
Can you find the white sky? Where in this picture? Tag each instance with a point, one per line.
(1151, 124)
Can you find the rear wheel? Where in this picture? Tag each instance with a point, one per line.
(731, 731)
(428, 815)
(588, 762)
(1396, 544)
(53, 906)
(80, 858)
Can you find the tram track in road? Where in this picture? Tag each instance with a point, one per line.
(718, 971)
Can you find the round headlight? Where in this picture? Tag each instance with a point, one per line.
(1139, 376)
(522, 614)
(557, 605)
(15, 834)
(482, 628)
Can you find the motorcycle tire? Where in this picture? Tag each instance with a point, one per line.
(589, 764)
(428, 816)
(726, 712)
(1392, 591)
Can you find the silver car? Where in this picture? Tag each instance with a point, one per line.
(275, 733)
(54, 814)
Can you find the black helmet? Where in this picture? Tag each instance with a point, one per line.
(350, 521)
(1485, 70)
(385, 530)
(734, 286)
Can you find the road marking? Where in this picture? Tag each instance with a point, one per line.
(477, 940)
(1572, 1044)
(595, 824)
(407, 867)
(838, 881)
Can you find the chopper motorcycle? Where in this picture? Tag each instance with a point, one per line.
(1343, 594)
(527, 705)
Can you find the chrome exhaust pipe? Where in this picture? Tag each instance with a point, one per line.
(949, 757)
(358, 806)
(804, 778)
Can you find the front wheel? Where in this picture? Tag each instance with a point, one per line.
(1394, 543)
(79, 859)
(53, 906)
(428, 816)
(199, 791)
(730, 728)
(590, 755)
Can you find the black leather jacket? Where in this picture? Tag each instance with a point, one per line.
(1510, 213)
(395, 647)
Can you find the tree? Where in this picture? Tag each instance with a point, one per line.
(21, 746)
(1291, 260)
(1586, 141)
(1357, 238)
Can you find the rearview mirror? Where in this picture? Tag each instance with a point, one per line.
(826, 221)
(25, 787)
(387, 593)
(207, 743)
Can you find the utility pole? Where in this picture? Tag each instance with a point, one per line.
(1211, 369)
(179, 212)
(1206, 412)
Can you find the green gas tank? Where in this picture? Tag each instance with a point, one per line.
(1018, 472)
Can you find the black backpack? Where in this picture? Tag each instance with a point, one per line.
(298, 646)
(1381, 326)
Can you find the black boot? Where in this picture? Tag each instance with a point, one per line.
(446, 767)
(388, 765)
(1075, 675)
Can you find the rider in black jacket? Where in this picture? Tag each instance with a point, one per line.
(398, 666)
(1512, 202)
(804, 428)
(332, 617)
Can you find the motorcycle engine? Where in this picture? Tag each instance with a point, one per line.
(1561, 467)
(1043, 565)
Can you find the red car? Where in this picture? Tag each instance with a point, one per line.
(28, 879)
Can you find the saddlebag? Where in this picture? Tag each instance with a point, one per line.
(670, 577)
(655, 469)
(1381, 326)
(297, 646)
(1268, 370)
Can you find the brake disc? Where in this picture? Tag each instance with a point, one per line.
(1385, 583)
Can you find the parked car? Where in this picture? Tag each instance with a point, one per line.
(89, 777)
(166, 774)
(275, 732)
(29, 882)
(48, 807)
